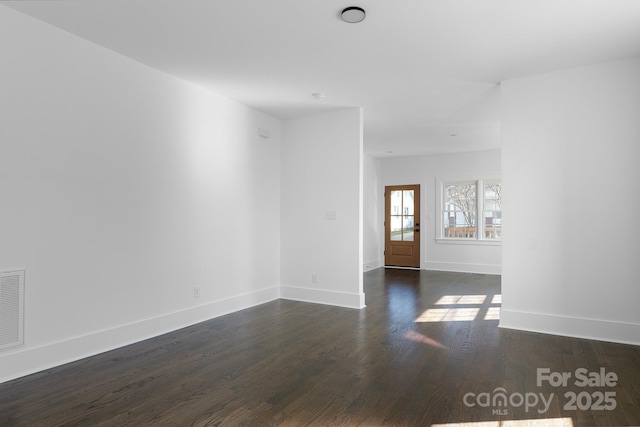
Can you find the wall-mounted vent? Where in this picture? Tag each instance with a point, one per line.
(11, 308)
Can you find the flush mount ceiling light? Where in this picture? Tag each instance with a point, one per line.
(352, 14)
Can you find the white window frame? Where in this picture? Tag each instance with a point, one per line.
(479, 238)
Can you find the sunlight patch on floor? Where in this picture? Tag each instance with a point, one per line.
(448, 315)
(461, 299)
(493, 313)
(461, 309)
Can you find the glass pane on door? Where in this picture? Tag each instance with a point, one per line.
(402, 215)
(396, 227)
(407, 229)
(396, 203)
(407, 202)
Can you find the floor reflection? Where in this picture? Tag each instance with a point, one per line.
(423, 339)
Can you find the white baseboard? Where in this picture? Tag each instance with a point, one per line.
(29, 360)
(321, 296)
(462, 267)
(371, 265)
(594, 329)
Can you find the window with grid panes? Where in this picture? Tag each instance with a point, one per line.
(471, 210)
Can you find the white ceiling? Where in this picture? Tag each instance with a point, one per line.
(423, 70)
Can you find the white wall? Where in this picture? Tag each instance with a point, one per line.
(372, 216)
(122, 189)
(425, 170)
(571, 152)
(322, 174)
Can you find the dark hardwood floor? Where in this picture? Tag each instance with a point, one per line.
(426, 351)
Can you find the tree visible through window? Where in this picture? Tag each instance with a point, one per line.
(460, 210)
(492, 210)
(464, 202)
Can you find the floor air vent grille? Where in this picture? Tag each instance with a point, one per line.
(11, 308)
